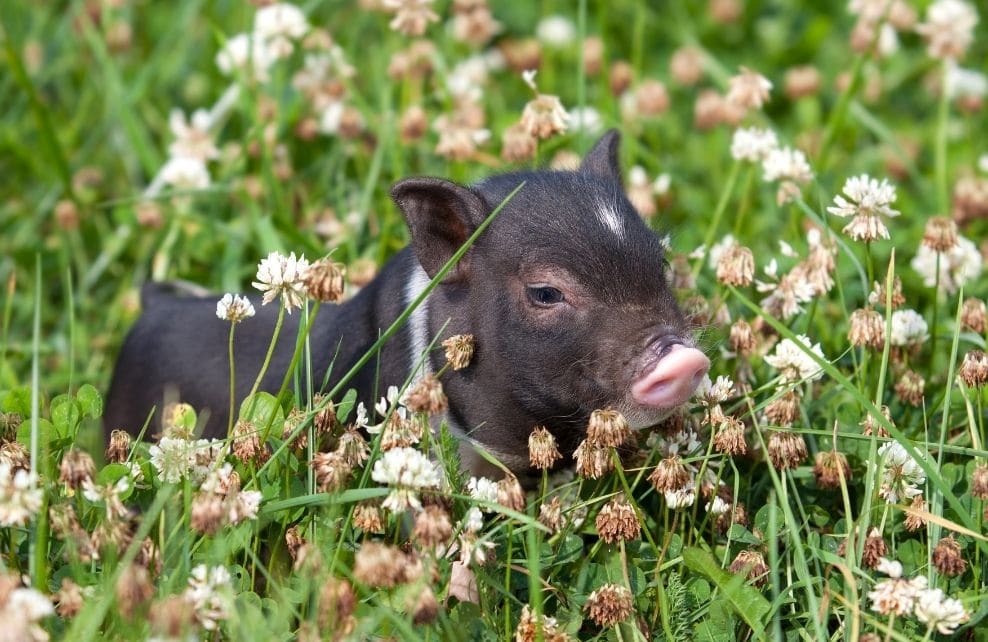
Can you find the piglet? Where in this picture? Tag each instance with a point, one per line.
(566, 294)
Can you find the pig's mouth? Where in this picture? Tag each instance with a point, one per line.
(672, 371)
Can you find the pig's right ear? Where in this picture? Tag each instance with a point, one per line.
(602, 159)
(441, 215)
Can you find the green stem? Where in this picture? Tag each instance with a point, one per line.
(839, 114)
(934, 326)
(943, 112)
(725, 197)
(233, 393)
(267, 361)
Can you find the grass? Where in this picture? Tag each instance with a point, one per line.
(85, 219)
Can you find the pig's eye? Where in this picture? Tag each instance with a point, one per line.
(544, 295)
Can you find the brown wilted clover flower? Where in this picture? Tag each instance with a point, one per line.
(133, 589)
(367, 517)
(324, 281)
(786, 449)
(974, 369)
(423, 606)
(382, 566)
(948, 557)
(784, 411)
(870, 424)
(208, 513)
(736, 266)
(473, 22)
(686, 65)
(332, 471)
(742, 338)
(427, 396)
(517, 144)
(914, 520)
(875, 549)
(172, 618)
(802, 81)
(544, 116)
(336, 605)
(617, 521)
(608, 427)
(413, 124)
(15, 455)
(411, 17)
(529, 627)
(325, 420)
(651, 98)
(620, 76)
(974, 315)
(910, 388)
(979, 481)
(542, 450)
(670, 475)
(748, 89)
(510, 494)
(247, 444)
(970, 199)
(729, 439)
(432, 527)
(459, 350)
(592, 460)
(294, 541)
(752, 564)
(737, 515)
(353, 448)
(878, 294)
(940, 234)
(76, 467)
(828, 469)
(609, 605)
(867, 329)
(68, 600)
(458, 135)
(551, 514)
(118, 449)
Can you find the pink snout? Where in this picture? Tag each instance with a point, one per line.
(673, 379)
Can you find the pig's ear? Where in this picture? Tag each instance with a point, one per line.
(602, 159)
(441, 215)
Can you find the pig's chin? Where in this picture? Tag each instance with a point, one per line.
(641, 417)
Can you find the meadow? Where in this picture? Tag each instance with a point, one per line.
(821, 174)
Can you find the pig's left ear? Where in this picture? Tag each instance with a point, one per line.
(441, 215)
(602, 159)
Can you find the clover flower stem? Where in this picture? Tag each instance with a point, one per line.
(507, 580)
(532, 543)
(934, 325)
(745, 200)
(885, 514)
(943, 112)
(839, 113)
(627, 489)
(267, 361)
(889, 627)
(929, 633)
(233, 393)
(725, 197)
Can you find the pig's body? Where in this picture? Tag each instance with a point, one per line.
(565, 294)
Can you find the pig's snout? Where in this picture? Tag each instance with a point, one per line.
(673, 378)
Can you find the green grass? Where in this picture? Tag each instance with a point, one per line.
(84, 131)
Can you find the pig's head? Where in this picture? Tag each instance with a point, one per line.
(567, 295)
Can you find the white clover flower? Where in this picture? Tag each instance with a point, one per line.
(892, 568)
(908, 328)
(716, 250)
(717, 506)
(983, 163)
(948, 29)
(245, 54)
(544, 116)
(330, 117)
(282, 276)
(888, 41)
(210, 592)
(234, 308)
(792, 361)
(185, 173)
(482, 489)
(786, 163)
(965, 83)
(712, 393)
(20, 496)
(473, 520)
(682, 443)
(753, 144)
(192, 137)
(748, 89)
(244, 506)
(411, 16)
(680, 498)
(407, 470)
(958, 265)
(936, 610)
(173, 458)
(21, 614)
(108, 495)
(277, 25)
(894, 595)
(586, 119)
(662, 184)
(467, 79)
(556, 31)
(901, 475)
(867, 199)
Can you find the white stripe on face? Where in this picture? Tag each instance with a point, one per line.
(610, 218)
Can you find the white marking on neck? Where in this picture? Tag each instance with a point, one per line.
(610, 218)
